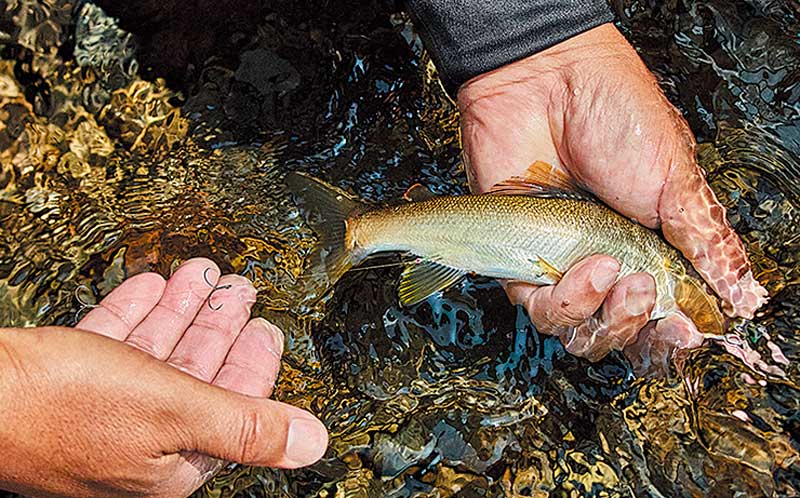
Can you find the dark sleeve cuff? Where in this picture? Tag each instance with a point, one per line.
(470, 37)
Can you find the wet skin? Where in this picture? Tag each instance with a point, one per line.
(590, 107)
(149, 394)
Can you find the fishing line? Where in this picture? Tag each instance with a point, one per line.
(415, 261)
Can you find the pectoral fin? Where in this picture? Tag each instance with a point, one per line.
(420, 280)
(700, 306)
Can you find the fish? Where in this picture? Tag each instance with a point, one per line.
(529, 228)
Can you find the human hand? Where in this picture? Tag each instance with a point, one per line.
(591, 108)
(149, 395)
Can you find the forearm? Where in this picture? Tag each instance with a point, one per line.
(471, 37)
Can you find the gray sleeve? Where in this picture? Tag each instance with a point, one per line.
(469, 37)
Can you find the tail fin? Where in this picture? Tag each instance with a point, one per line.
(699, 305)
(327, 210)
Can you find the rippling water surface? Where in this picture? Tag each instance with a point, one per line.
(135, 137)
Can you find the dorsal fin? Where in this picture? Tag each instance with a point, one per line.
(542, 180)
(418, 193)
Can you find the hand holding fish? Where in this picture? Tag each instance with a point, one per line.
(546, 139)
(591, 108)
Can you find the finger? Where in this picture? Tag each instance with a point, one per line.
(575, 298)
(653, 349)
(202, 349)
(125, 307)
(184, 295)
(624, 313)
(251, 431)
(254, 360)
(694, 221)
(251, 368)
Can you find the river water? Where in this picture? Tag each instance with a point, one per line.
(135, 137)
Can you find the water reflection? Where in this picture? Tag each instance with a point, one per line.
(108, 170)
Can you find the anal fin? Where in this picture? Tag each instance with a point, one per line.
(421, 279)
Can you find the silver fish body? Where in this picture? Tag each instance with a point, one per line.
(506, 237)
(530, 237)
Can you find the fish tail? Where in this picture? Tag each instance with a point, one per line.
(699, 305)
(328, 210)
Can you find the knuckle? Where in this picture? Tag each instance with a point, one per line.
(540, 317)
(116, 313)
(145, 344)
(149, 479)
(567, 313)
(540, 312)
(215, 325)
(248, 370)
(170, 310)
(191, 472)
(250, 436)
(190, 366)
(547, 321)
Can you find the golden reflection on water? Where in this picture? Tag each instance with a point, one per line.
(105, 174)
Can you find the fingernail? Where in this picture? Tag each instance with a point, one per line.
(637, 300)
(275, 335)
(306, 441)
(604, 274)
(247, 293)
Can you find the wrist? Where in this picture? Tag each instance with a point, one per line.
(468, 37)
(11, 364)
(586, 52)
(24, 431)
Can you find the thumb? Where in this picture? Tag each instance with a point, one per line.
(694, 221)
(252, 431)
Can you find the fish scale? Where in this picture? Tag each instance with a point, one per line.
(460, 232)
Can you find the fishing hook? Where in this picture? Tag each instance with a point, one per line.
(214, 288)
(84, 304)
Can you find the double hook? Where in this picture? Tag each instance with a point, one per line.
(214, 288)
(84, 304)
